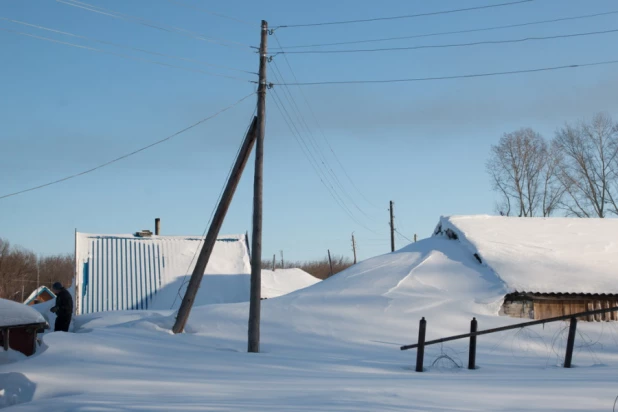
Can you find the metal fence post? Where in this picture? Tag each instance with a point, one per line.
(570, 343)
(472, 354)
(420, 351)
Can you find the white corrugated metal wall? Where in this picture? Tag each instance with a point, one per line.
(123, 272)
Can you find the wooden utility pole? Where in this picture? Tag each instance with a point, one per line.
(354, 247)
(256, 258)
(330, 263)
(392, 227)
(213, 231)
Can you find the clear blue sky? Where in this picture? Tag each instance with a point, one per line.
(423, 145)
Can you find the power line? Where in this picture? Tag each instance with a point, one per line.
(190, 6)
(154, 25)
(131, 153)
(464, 76)
(399, 233)
(416, 36)
(408, 16)
(124, 56)
(311, 158)
(442, 46)
(318, 123)
(319, 153)
(124, 46)
(307, 151)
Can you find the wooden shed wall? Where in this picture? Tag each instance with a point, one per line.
(543, 307)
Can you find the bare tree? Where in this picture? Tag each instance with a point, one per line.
(588, 166)
(523, 171)
(553, 190)
(20, 270)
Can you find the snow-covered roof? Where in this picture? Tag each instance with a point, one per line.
(35, 294)
(122, 272)
(544, 255)
(14, 313)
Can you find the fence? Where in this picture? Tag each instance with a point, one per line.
(474, 332)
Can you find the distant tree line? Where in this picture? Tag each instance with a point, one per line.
(575, 173)
(319, 268)
(21, 271)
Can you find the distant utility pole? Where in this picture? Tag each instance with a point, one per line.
(213, 231)
(253, 344)
(274, 256)
(330, 263)
(354, 247)
(392, 227)
(282, 264)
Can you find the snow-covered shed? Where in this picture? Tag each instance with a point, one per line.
(145, 271)
(19, 325)
(549, 266)
(40, 295)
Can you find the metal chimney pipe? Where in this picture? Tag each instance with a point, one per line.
(157, 226)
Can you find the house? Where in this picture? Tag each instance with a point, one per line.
(40, 295)
(549, 266)
(145, 271)
(19, 325)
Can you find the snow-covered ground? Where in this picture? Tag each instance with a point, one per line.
(333, 346)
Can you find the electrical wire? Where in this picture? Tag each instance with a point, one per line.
(408, 16)
(212, 116)
(190, 6)
(464, 76)
(124, 56)
(124, 46)
(444, 46)
(305, 149)
(399, 233)
(443, 33)
(315, 119)
(321, 158)
(320, 155)
(154, 25)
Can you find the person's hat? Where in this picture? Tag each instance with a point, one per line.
(57, 286)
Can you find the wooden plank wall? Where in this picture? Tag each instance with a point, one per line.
(544, 308)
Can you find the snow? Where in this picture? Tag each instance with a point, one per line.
(333, 346)
(283, 281)
(562, 255)
(14, 313)
(10, 356)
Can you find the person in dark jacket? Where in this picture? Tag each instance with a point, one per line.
(63, 308)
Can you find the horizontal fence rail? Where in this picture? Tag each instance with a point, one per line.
(420, 346)
(516, 326)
